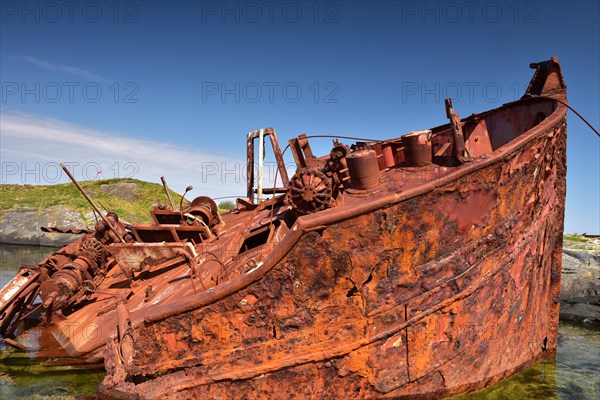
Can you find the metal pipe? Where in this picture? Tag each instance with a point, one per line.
(261, 154)
(164, 182)
(278, 156)
(112, 228)
(250, 166)
(187, 189)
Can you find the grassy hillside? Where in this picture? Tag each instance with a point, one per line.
(131, 199)
(581, 242)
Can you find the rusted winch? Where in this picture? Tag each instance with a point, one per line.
(337, 163)
(108, 228)
(57, 291)
(205, 209)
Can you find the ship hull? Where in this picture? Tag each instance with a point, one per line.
(445, 288)
(421, 266)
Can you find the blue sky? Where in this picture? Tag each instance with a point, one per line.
(152, 88)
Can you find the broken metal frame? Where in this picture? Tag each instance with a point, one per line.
(260, 190)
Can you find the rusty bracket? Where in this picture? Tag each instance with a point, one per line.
(460, 150)
(125, 347)
(191, 261)
(301, 150)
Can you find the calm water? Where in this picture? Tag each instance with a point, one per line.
(575, 374)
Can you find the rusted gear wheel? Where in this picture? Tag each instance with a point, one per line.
(309, 190)
(93, 249)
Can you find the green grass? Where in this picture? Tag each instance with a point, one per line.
(29, 196)
(573, 237)
(226, 206)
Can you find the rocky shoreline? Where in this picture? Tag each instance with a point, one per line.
(580, 287)
(23, 226)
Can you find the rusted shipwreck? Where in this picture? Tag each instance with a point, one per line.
(421, 266)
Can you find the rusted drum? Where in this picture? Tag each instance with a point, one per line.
(388, 156)
(417, 148)
(364, 169)
(205, 208)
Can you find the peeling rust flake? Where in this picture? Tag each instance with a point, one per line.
(399, 268)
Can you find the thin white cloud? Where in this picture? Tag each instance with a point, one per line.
(61, 68)
(32, 146)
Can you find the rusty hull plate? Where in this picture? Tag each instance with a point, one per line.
(444, 292)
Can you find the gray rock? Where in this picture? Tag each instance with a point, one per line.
(580, 286)
(588, 257)
(586, 313)
(23, 226)
(123, 190)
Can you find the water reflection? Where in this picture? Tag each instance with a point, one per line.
(25, 378)
(12, 256)
(572, 376)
